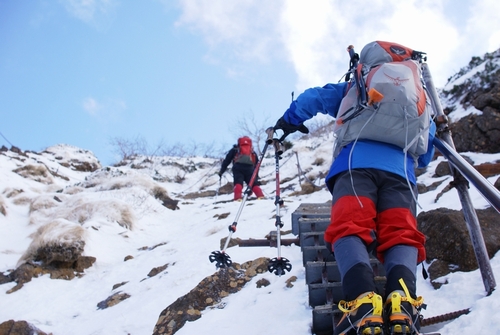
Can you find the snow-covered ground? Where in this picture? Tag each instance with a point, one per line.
(98, 202)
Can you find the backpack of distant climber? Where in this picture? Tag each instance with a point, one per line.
(386, 100)
(245, 153)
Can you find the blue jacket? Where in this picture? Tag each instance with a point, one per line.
(366, 153)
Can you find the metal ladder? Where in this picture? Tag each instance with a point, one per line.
(309, 222)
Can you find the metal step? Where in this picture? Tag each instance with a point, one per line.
(309, 222)
(316, 254)
(308, 211)
(306, 225)
(320, 272)
(331, 292)
(311, 238)
(324, 317)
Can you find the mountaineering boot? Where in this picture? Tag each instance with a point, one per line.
(361, 316)
(238, 188)
(362, 306)
(258, 192)
(402, 312)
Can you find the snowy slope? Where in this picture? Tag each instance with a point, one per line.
(188, 235)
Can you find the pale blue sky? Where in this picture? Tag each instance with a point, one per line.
(83, 72)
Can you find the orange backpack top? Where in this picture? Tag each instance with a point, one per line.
(245, 152)
(388, 103)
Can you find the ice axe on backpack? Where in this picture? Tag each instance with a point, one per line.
(355, 69)
(370, 98)
(278, 265)
(221, 258)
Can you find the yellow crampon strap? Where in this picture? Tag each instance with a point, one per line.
(351, 306)
(415, 302)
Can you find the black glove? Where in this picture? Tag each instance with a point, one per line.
(290, 128)
(219, 174)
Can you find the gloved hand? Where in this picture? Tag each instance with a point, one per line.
(290, 128)
(219, 174)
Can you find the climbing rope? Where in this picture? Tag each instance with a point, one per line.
(204, 177)
(300, 174)
(5, 138)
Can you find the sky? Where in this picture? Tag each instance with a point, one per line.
(92, 73)
(185, 238)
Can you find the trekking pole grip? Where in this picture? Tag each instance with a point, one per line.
(270, 134)
(278, 147)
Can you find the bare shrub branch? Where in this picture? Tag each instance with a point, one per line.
(130, 148)
(246, 125)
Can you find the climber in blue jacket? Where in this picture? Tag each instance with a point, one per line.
(374, 190)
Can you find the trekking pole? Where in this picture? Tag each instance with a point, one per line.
(221, 258)
(218, 188)
(278, 265)
(461, 170)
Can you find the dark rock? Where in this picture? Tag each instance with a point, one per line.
(263, 283)
(232, 243)
(290, 281)
(203, 194)
(119, 285)
(439, 269)
(16, 150)
(208, 293)
(227, 188)
(84, 166)
(479, 133)
(113, 300)
(221, 216)
(63, 255)
(161, 194)
(83, 262)
(56, 269)
(442, 169)
(157, 270)
(66, 274)
(306, 188)
(151, 248)
(448, 239)
(4, 279)
(423, 188)
(12, 327)
(25, 272)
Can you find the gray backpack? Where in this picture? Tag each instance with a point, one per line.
(396, 109)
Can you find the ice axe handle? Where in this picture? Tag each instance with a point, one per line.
(354, 56)
(350, 50)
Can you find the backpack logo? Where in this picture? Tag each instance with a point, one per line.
(397, 50)
(397, 81)
(396, 111)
